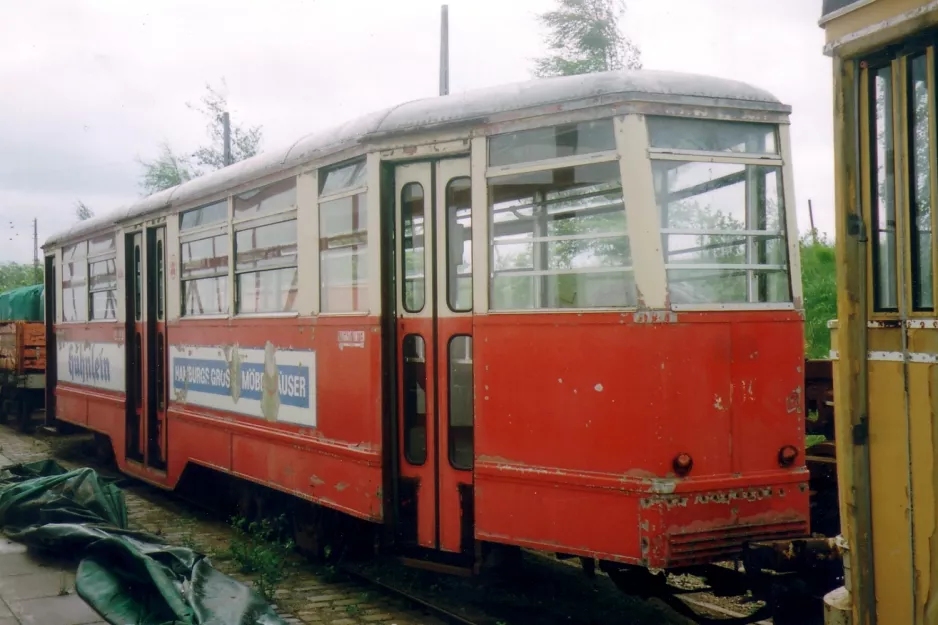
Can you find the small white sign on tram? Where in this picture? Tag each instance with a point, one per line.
(268, 383)
(98, 365)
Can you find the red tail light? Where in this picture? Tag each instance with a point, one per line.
(787, 455)
(682, 464)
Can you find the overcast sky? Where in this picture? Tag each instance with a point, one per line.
(88, 86)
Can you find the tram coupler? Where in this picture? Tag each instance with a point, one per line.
(806, 567)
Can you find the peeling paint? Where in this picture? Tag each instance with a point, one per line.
(232, 356)
(655, 316)
(718, 403)
(663, 486)
(270, 384)
(598, 388)
(341, 486)
(727, 497)
(667, 502)
(793, 402)
(315, 480)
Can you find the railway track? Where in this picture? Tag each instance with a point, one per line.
(385, 592)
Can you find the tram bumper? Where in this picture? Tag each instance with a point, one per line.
(695, 527)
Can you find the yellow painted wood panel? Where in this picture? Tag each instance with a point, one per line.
(922, 385)
(871, 15)
(889, 462)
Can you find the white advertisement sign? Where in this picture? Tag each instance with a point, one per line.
(99, 365)
(269, 383)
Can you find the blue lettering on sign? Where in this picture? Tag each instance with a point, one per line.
(87, 365)
(214, 377)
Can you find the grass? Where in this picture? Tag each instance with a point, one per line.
(259, 548)
(819, 281)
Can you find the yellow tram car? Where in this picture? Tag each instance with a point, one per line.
(885, 339)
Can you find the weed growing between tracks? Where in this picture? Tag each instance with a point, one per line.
(260, 549)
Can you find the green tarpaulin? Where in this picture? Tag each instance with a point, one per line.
(26, 303)
(127, 576)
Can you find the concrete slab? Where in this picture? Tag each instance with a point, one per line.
(24, 563)
(8, 546)
(9, 621)
(36, 585)
(4, 611)
(16, 564)
(65, 610)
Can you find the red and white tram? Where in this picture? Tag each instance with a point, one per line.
(563, 314)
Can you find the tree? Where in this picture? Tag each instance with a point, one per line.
(244, 141)
(15, 275)
(83, 211)
(819, 282)
(165, 171)
(170, 168)
(585, 37)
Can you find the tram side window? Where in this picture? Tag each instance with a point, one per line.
(461, 415)
(558, 236)
(74, 282)
(203, 252)
(723, 231)
(266, 249)
(459, 244)
(920, 176)
(885, 287)
(102, 278)
(343, 239)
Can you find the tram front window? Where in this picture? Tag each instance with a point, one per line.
(559, 240)
(723, 232)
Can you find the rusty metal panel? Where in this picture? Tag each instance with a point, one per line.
(590, 412)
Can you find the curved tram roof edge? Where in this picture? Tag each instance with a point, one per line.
(426, 114)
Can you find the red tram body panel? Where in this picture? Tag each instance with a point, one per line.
(361, 370)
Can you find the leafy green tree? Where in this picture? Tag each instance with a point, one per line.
(167, 170)
(819, 282)
(15, 275)
(245, 141)
(171, 168)
(584, 37)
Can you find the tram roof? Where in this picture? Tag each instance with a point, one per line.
(459, 109)
(829, 7)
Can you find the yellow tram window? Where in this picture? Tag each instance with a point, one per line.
(920, 176)
(883, 192)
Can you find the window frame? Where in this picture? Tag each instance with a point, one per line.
(269, 218)
(911, 211)
(548, 164)
(899, 62)
(82, 261)
(361, 191)
(775, 160)
(452, 271)
(198, 233)
(90, 259)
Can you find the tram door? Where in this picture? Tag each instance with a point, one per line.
(433, 252)
(898, 178)
(146, 347)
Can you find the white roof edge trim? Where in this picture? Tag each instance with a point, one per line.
(470, 107)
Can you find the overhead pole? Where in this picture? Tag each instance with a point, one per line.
(811, 217)
(226, 125)
(36, 249)
(444, 50)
